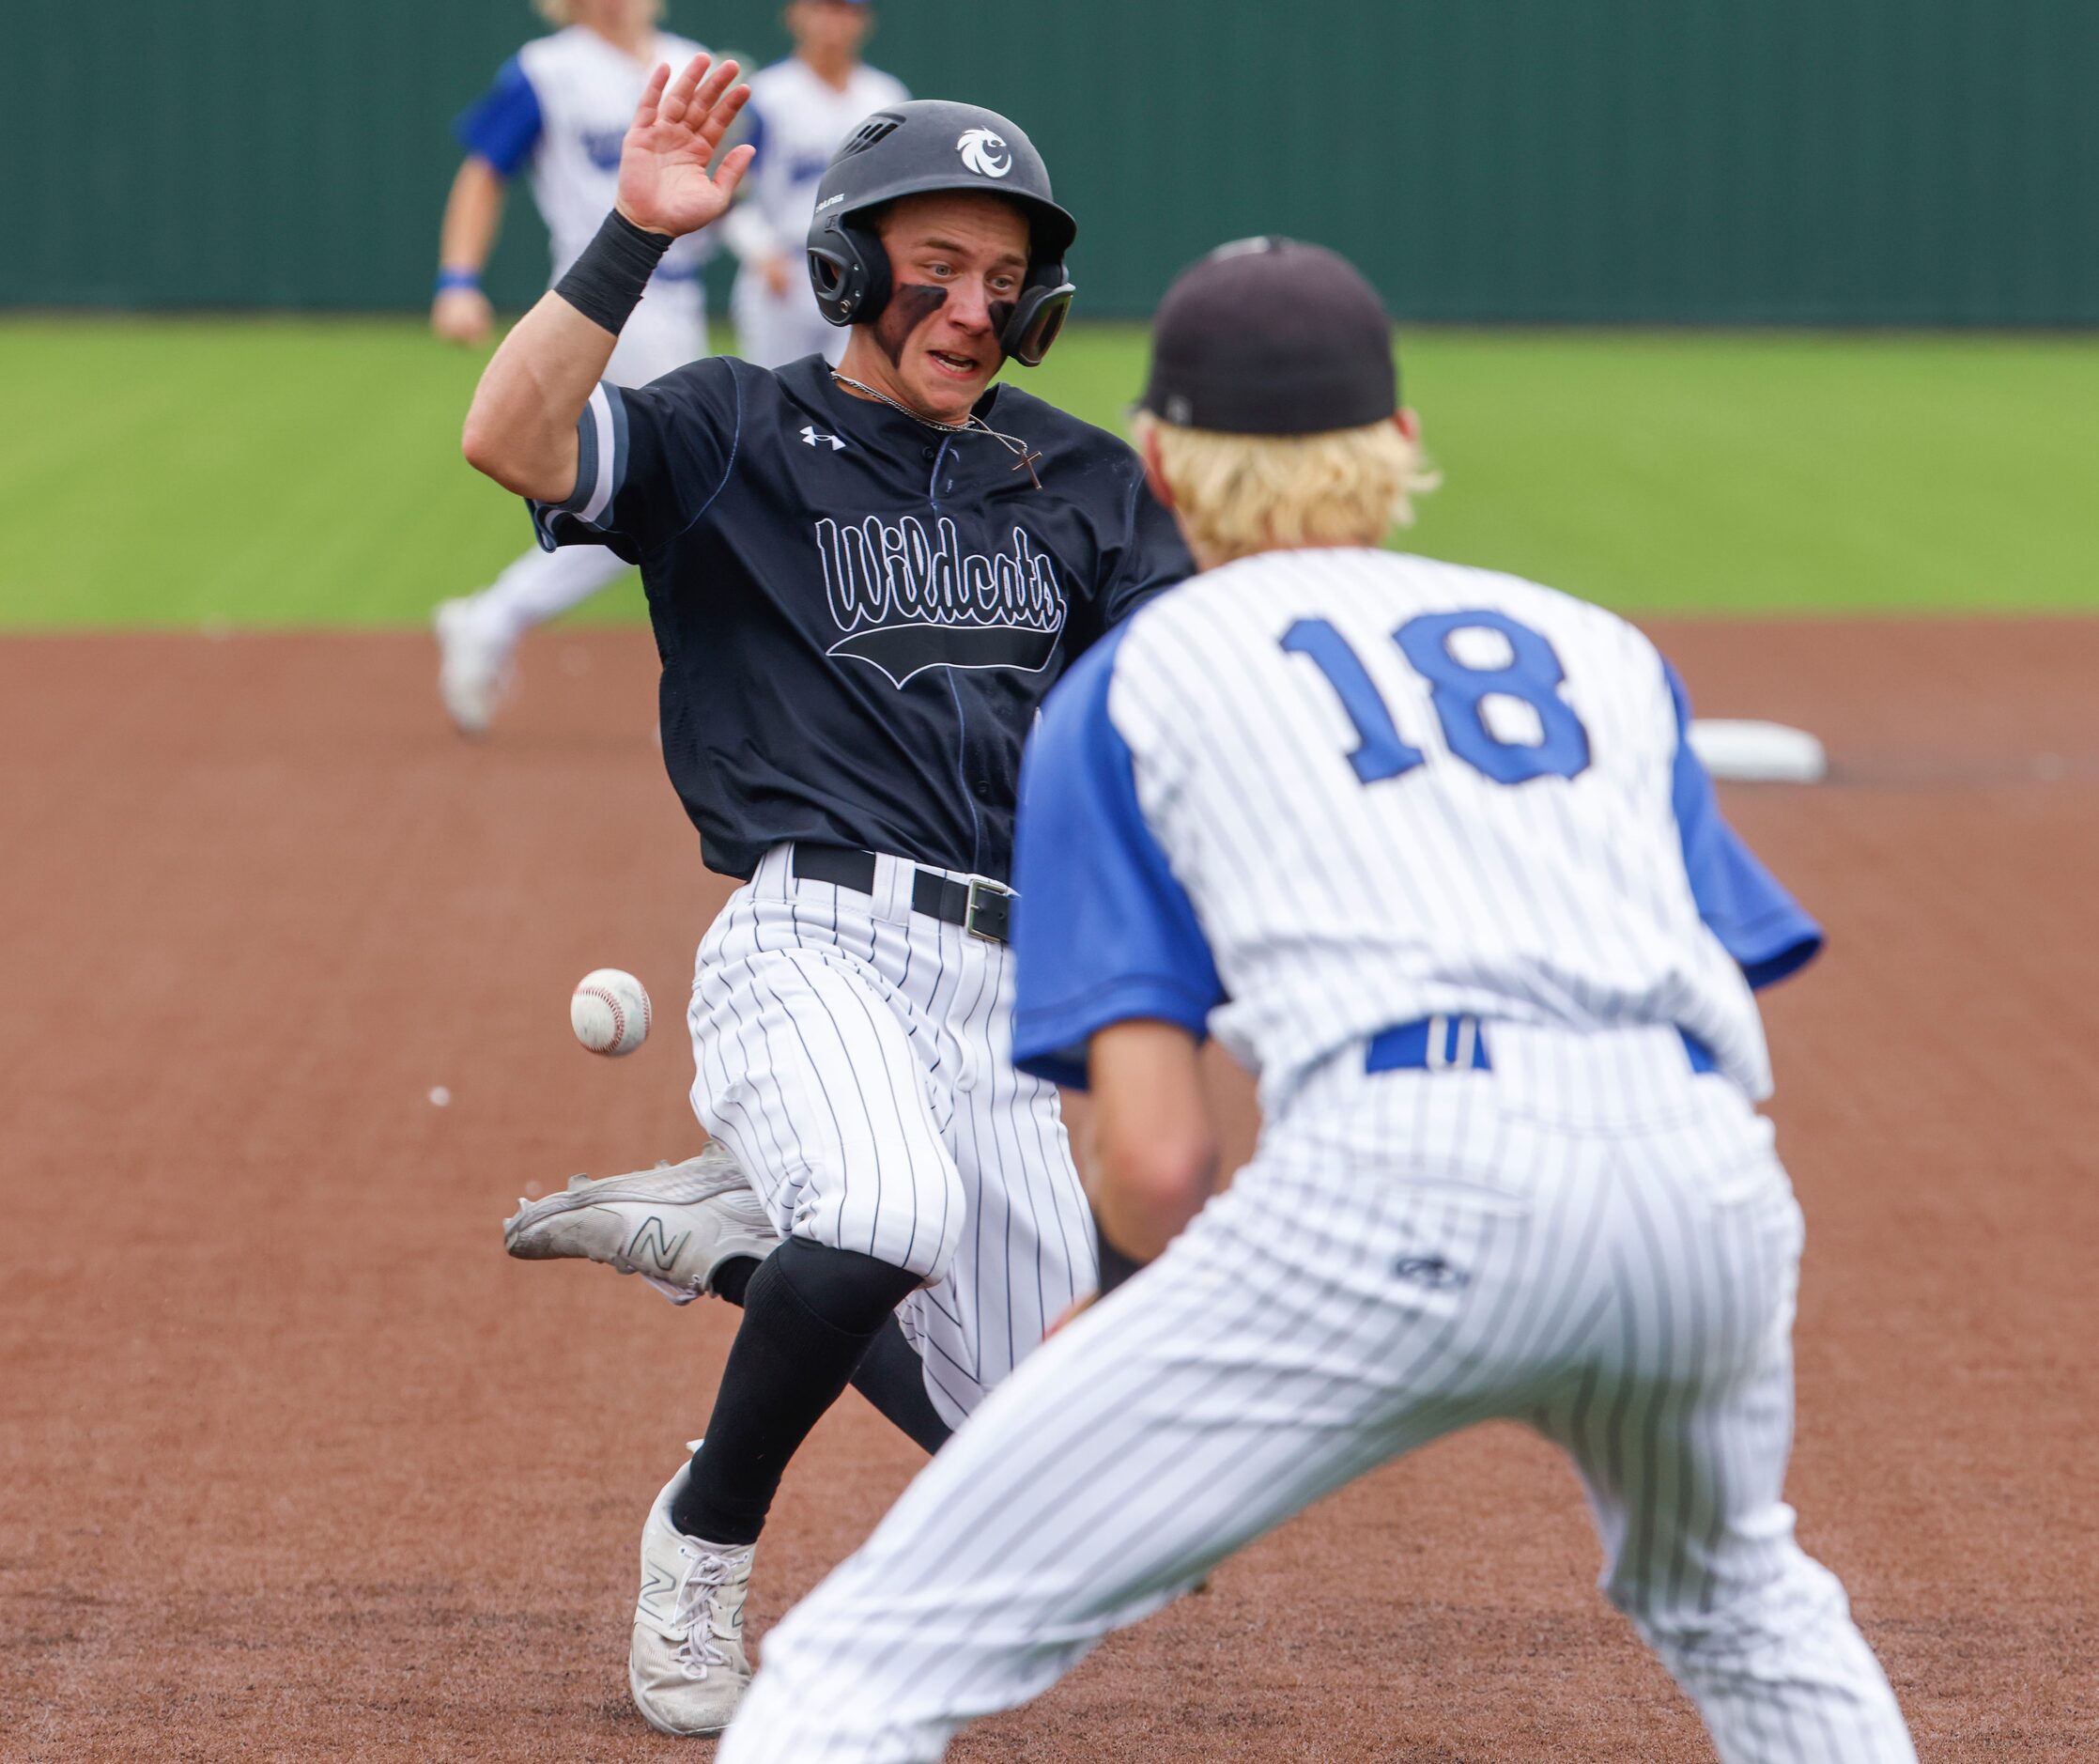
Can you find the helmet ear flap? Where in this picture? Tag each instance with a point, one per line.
(849, 271)
(830, 276)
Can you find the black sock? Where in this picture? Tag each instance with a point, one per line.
(809, 1315)
(732, 1278)
(891, 1375)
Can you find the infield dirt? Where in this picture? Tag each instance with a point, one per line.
(295, 1464)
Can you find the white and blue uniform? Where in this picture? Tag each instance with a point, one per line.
(796, 121)
(560, 109)
(1427, 847)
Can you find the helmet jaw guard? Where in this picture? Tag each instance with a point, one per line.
(930, 146)
(1039, 316)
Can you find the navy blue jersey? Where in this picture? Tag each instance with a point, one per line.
(858, 614)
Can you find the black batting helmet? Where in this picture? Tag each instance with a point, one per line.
(916, 149)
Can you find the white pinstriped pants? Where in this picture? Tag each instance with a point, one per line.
(1588, 1239)
(856, 1056)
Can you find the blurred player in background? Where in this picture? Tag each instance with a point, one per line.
(562, 105)
(800, 109)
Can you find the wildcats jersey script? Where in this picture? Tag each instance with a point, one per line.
(859, 615)
(1315, 794)
(564, 103)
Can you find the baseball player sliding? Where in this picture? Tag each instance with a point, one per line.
(863, 579)
(1426, 846)
(800, 109)
(561, 106)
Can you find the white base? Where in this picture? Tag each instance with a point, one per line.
(1758, 752)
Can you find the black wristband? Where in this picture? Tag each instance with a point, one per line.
(605, 283)
(1115, 1266)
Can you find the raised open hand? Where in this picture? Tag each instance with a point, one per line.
(665, 183)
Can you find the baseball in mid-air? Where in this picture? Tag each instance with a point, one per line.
(609, 1012)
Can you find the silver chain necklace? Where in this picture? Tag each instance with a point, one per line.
(970, 425)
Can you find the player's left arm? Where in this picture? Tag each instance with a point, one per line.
(1155, 1152)
(1113, 977)
(1758, 922)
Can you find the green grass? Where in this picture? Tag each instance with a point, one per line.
(281, 471)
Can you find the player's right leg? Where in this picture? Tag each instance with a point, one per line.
(807, 1073)
(1681, 1431)
(477, 634)
(1269, 1356)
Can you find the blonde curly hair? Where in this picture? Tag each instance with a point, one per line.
(1240, 494)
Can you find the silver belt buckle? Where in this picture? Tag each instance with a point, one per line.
(981, 888)
(1465, 1043)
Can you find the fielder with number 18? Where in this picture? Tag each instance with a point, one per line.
(1428, 849)
(863, 580)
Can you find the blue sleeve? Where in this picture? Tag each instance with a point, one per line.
(754, 134)
(1104, 931)
(504, 125)
(1758, 922)
(650, 460)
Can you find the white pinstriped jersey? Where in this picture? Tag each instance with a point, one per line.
(1388, 788)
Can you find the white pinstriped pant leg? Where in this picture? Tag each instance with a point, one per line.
(538, 585)
(854, 1057)
(1267, 1359)
(826, 1110)
(1027, 1248)
(1681, 1427)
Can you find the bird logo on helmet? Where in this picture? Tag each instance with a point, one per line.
(984, 153)
(912, 149)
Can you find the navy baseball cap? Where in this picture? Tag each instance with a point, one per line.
(1269, 336)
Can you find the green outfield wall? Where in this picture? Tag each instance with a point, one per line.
(1701, 161)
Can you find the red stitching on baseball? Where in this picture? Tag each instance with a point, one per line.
(619, 1017)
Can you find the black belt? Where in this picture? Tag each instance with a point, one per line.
(980, 906)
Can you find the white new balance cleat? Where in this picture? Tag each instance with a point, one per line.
(675, 1225)
(474, 666)
(686, 1664)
